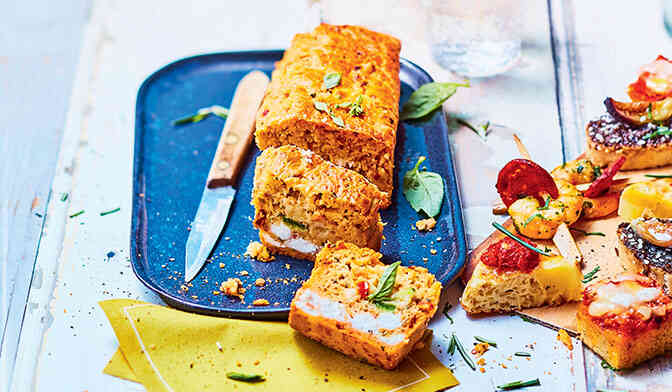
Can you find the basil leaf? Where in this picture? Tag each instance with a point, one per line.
(245, 377)
(385, 285)
(321, 106)
(337, 120)
(331, 80)
(423, 190)
(428, 98)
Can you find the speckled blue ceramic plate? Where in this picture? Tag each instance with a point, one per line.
(171, 165)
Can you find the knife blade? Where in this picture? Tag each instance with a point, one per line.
(218, 193)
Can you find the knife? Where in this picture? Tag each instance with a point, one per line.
(218, 193)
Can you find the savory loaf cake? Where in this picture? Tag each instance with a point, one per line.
(336, 92)
(511, 277)
(302, 201)
(363, 308)
(626, 320)
(646, 245)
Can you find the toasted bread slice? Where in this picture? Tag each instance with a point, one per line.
(608, 139)
(626, 320)
(651, 260)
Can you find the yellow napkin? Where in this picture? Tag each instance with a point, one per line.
(169, 350)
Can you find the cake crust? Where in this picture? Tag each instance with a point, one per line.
(368, 65)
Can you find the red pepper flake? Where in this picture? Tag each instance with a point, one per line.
(363, 288)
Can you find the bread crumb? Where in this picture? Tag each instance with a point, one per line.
(244, 273)
(232, 287)
(221, 265)
(481, 362)
(564, 337)
(260, 282)
(425, 224)
(432, 251)
(256, 362)
(480, 349)
(482, 370)
(257, 250)
(260, 302)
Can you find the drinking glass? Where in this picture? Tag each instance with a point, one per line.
(475, 38)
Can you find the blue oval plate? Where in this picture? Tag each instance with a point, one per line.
(171, 165)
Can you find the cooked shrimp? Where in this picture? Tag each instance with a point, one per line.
(580, 171)
(538, 221)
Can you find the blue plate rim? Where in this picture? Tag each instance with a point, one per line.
(271, 313)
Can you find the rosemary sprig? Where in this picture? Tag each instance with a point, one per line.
(658, 175)
(484, 340)
(599, 233)
(451, 345)
(590, 275)
(110, 211)
(519, 384)
(202, 114)
(78, 213)
(513, 237)
(522, 354)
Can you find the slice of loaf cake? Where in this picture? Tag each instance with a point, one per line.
(363, 308)
(511, 277)
(302, 201)
(626, 320)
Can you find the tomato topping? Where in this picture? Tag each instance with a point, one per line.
(363, 288)
(522, 177)
(604, 181)
(654, 82)
(508, 255)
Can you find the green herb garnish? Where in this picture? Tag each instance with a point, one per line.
(519, 384)
(294, 224)
(64, 196)
(522, 354)
(481, 131)
(579, 169)
(484, 340)
(599, 233)
(606, 365)
(445, 313)
(513, 237)
(658, 175)
(526, 319)
(597, 171)
(356, 107)
(463, 353)
(649, 112)
(531, 218)
(428, 98)
(382, 296)
(245, 377)
(451, 345)
(110, 211)
(321, 106)
(661, 131)
(337, 120)
(546, 204)
(423, 190)
(78, 213)
(201, 114)
(590, 275)
(331, 80)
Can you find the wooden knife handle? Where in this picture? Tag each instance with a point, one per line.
(238, 130)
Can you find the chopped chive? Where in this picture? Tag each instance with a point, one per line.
(522, 354)
(513, 237)
(579, 169)
(78, 213)
(484, 340)
(597, 171)
(464, 353)
(451, 345)
(661, 131)
(531, 218)
(445, 312)
(37, 214)
(590, 275)
(519, 384)
(545, 207)
(527, 319)
(202, 114)
(658, 175)
(245, 377)
(64, 196)
(601, 234)
(110, 211)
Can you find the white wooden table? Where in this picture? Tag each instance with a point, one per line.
(67, 127)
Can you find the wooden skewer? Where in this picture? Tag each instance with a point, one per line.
(565, 243)
(521, 147)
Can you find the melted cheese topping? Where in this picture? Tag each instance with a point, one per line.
(316, 305)
(617, 298)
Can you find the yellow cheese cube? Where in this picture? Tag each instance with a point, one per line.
(655, 196)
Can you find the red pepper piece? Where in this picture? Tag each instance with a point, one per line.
(522, 177)
(363, 288)
(604, 181)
